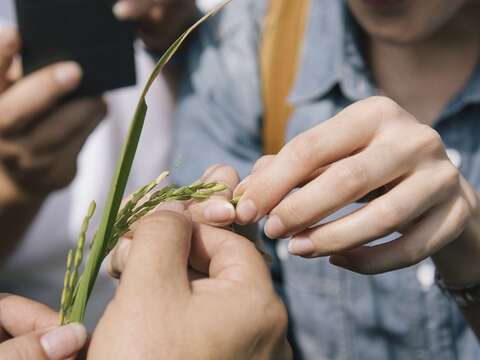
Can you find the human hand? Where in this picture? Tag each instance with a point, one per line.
(372, 145)
(39, 137)
(160, 21)
(190, 292)
(28, 330)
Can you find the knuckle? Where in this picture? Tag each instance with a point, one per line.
(328, 243)
(464, 211)
(162, 221)
(302, 148)
(385, 107)
(262, 162)
(451, 176)
(291, 212)
(389, 216)
(24, 348)
(221, 172)
(351, 177)
(428, 140)
(275, 315)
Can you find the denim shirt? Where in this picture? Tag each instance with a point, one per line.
(336, 314)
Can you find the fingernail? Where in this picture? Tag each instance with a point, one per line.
(63, 342)
(68, 75)
(122, 10)
(274, 227)
(246, 211)
(301, 246)
(219, 212)
(340, 261)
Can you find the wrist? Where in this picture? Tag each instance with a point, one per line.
(457, 263)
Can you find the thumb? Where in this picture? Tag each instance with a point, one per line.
(218, 210)
(158, 258)
(56, 344)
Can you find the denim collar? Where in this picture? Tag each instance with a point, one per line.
(331, 56)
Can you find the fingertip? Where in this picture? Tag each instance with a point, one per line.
(240, 189)
(222, 174)
(220, 212)
(122, 10)
(67, 75)
(301, 246)
(64, 341)
(130, 10)
(246, 211)
(9, 40)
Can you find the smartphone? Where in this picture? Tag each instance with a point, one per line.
(85, 31)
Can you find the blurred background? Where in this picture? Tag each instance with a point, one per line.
(7, 8)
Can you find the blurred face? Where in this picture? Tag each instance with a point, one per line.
(406, 21)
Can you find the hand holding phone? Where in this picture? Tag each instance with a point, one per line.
(85, 31)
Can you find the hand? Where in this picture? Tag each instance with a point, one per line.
(190, 292)
(28, 330)
(40, 138)
(373, 145)
(160, 21)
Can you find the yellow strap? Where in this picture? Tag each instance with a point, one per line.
(280, 57)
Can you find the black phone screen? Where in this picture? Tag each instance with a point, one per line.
(85, 31)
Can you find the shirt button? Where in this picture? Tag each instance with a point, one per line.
(426, 276)
(282, 250)
(455, 157)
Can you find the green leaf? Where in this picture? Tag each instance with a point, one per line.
(119, 182)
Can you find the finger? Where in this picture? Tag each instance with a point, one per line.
(261, 164)
(37, 92)
(389, 213)
(158, 258)
(56, 168)
(227, 256)
(311, 150)
(440, 227)
(217, 210)
(341, 184)
(131, 9)
(58, 128)
(9, 47)
(118, 258)
(19, 316)
(56, 344)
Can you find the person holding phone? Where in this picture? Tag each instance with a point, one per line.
(188, 291)
(56, 155)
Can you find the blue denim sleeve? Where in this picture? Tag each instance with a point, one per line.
(218, 117)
